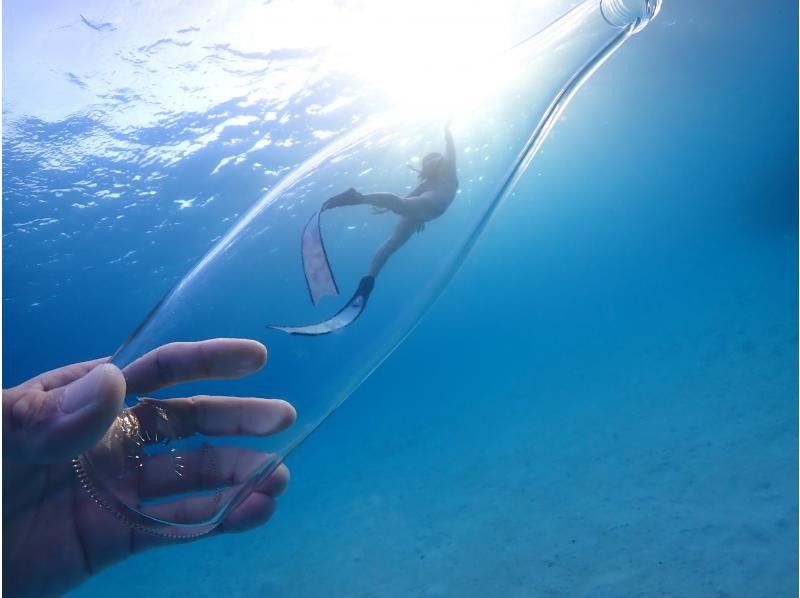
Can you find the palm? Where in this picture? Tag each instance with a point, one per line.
(50, 518)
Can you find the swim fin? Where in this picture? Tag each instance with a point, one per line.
(316, 267)
(341, 319)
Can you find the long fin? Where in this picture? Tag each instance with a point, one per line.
(341, 319)
(316, 267)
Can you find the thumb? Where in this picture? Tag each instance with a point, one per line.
(70, 419)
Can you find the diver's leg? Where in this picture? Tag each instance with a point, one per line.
(351, 197)
(383, 200)
(386, 201)
(421, 208)
(402, 232)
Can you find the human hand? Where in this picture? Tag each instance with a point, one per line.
(448, 139)
(54, 534)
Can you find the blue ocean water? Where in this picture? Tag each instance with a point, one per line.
(602, 403)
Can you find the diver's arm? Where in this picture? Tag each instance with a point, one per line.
(450, 146)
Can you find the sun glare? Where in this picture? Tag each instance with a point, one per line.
(426, 56)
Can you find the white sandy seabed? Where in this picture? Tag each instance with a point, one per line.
(662, 464)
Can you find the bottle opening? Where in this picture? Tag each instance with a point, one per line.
(624, 13)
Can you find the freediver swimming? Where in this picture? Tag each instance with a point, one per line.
(429, 200)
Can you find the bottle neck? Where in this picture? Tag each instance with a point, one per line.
(543, 73)
(629, 13)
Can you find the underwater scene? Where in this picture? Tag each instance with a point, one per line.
(526, 275)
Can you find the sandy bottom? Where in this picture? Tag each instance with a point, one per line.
(664, 467)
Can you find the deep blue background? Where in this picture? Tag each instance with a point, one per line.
(624, 335)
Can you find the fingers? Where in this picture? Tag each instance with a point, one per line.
(217, 416)
(63, 375)
(208, 468)
(45, 426)
(258, 507)
(254, 510)
(183, 362)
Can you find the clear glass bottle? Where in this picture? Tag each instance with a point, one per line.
(251, 284)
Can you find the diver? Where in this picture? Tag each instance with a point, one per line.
(429, 200)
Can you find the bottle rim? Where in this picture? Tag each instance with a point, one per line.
(635, 14)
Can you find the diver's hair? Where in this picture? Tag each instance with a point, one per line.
(421, 172)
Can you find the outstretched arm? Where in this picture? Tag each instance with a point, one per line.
(450, 146)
